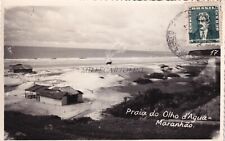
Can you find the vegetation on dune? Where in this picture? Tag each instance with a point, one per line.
(155, 99)
(26, 127)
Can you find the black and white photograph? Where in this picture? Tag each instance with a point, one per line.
(111, 70)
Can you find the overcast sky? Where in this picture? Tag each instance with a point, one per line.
(127, 26)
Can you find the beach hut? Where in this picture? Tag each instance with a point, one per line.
(20, 68)
(60, 96)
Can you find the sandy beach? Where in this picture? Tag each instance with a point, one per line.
(97, 86)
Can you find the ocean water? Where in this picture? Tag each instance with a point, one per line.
(22, 52)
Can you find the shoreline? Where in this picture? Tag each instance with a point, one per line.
(71, 62)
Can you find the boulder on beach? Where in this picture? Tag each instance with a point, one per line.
(101, 77)
(143, 81)
(108, 62)
(163, 66)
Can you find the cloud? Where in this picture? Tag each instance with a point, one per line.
(141, 27)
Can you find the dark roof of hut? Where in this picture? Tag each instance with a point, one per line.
(52, 94)
(59, 92)
(20, 66)
(36, 88)
(55, 92)
(68, 89)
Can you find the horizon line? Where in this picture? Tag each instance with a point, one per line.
(67, 47)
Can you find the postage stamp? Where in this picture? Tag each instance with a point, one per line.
(203, 24)
(199, 37)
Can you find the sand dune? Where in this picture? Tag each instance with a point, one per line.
(89, 83)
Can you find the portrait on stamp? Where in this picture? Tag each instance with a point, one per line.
(203, 24)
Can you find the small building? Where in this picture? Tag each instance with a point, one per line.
(59, 97)
(31, 92)
(20, 68)
(54, 95)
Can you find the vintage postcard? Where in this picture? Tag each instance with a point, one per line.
(113, 70)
